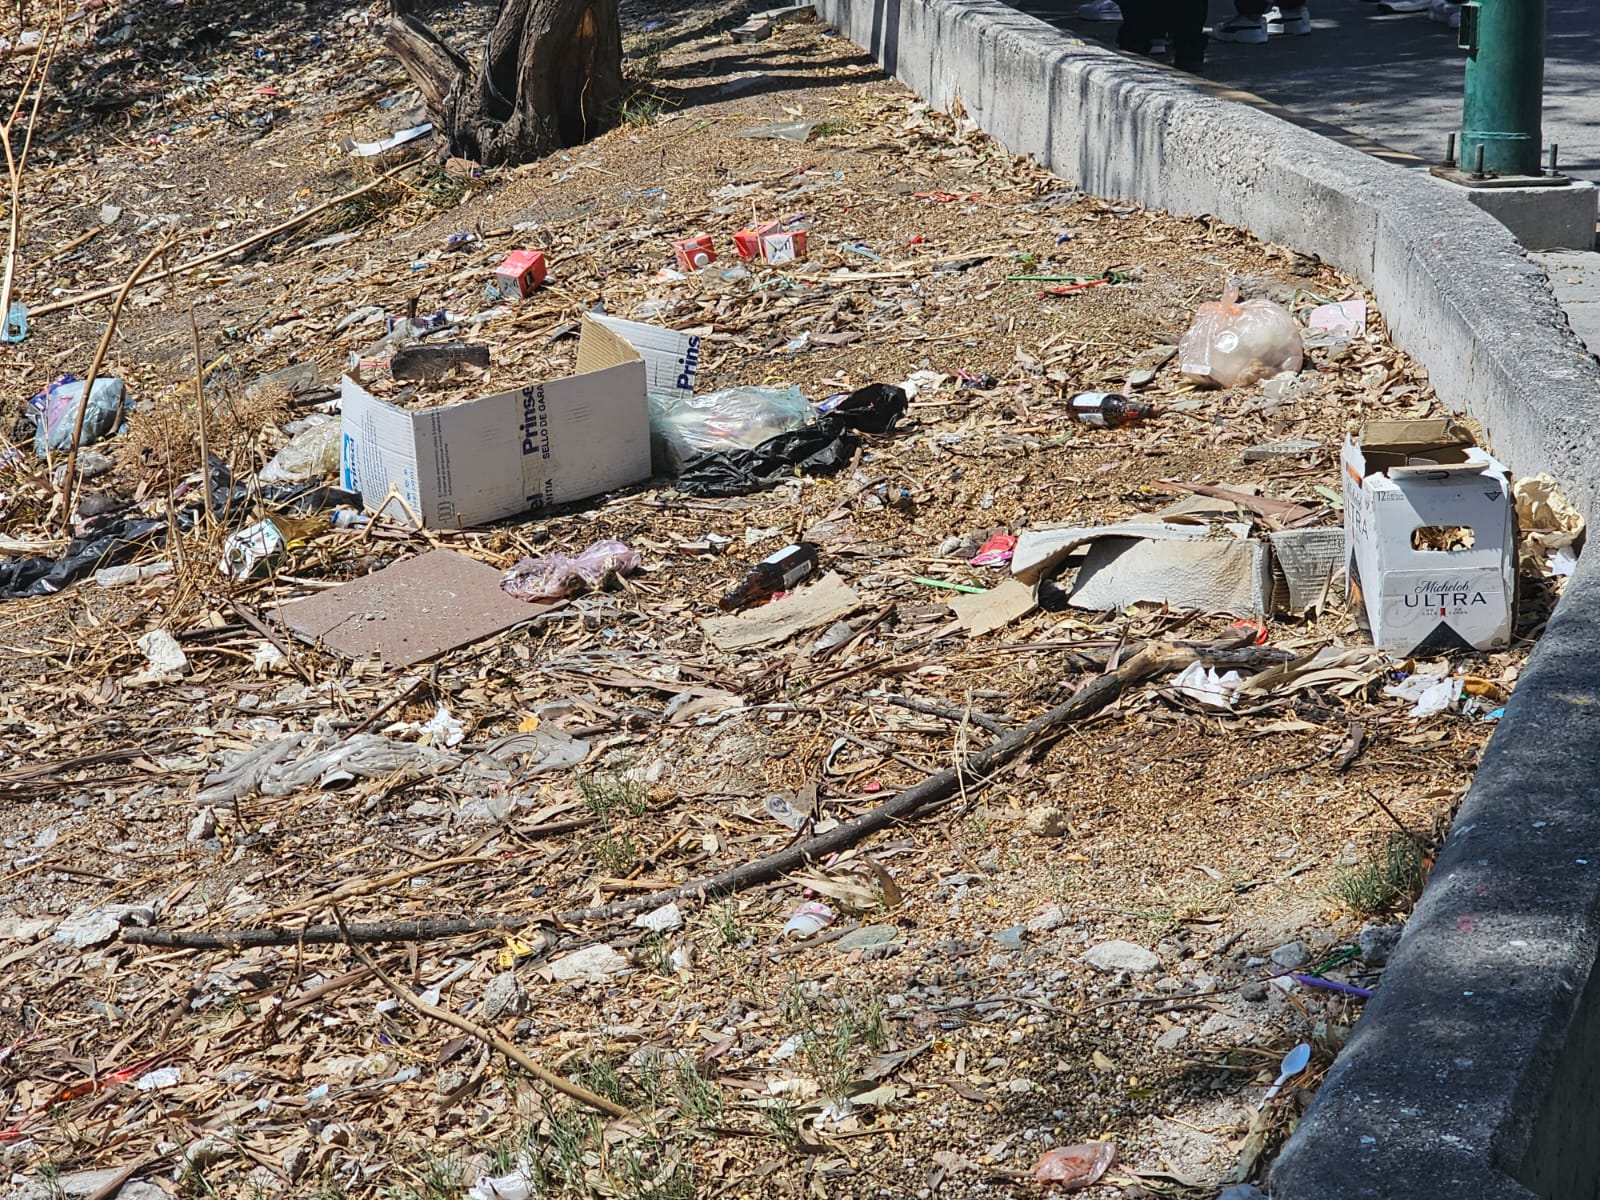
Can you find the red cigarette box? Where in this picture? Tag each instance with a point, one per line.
(521, 272)
(694, 253)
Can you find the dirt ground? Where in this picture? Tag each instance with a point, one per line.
(949, 1025)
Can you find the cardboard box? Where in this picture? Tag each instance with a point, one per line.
(520, 272)
(671, 358)
(694, 253)
(770, 243)
(1429, 592)
(506, 453)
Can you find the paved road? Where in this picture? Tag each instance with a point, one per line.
(1395, 78)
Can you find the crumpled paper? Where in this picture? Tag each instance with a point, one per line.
(1206, 686)
(1548, 524)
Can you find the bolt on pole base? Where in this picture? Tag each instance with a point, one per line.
(1455, 174)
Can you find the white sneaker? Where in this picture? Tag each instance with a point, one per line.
(1294, 20)
(1250, 30)
(1445, 13)
(1100, 10)
(1401, 6)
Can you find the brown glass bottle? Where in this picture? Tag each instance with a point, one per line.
(1107, 410)
(776, 573)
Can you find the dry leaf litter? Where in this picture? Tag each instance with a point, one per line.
(1093, 941)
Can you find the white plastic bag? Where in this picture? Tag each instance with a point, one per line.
(309, 454)
(737, 418)
(1231, 342)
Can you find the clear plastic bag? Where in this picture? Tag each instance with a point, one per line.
(56, 411)
(309, 454)
(1234, 342)
(739, 418)
(553, 576)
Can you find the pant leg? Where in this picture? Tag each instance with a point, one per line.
(1251, 8)
(1186, 25)
(1140, 19)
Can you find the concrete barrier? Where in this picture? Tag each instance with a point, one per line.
(1476, 1070)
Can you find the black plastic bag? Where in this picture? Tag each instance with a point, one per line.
(819, 449)
(107, 544)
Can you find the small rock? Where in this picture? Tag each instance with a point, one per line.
(1114, 956)
(1053, 917)
(1047, 821)
(662, 920)
(1172, 1037)
(296, 1159)
(1255, 991)
(1291, 956)
(96, 927)
(207, 1150)
(588, 963)
(865, 937)
(1018, 1086)
(143, 1189)
(451, 1080)
(503, 997)
(1377, 943)
(1011, 939)
(203, 825)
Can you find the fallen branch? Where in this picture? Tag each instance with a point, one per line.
(1152, 660)
(560, 1082)
(322, 935)
(205, 259)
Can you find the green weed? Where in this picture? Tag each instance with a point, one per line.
(1392, 880)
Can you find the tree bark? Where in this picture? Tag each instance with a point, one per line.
(551, 77)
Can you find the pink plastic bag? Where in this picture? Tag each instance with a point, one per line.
(1075, 1167)
(553, 576)
(1231, 342)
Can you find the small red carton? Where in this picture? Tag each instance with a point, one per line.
(694, 253)
(770, 243)
(521, 272)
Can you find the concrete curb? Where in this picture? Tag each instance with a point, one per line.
(1471, 1073)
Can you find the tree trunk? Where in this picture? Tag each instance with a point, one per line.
(551, 77)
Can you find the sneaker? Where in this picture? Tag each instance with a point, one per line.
(1100, 10)
(1404, 6)
(1250, 30)
(1446, 12)
(1294, 21)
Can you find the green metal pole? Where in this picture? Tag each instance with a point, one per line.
(1505, 84)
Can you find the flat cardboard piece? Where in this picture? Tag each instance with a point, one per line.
(984, 612)
(411, 611)
(505, 453)
(1038, 551)
(1211, 575)
(822, 603)
(1418, 600)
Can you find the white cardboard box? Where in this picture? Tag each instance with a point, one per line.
(505, 453)
(1405, 476)
(671, 358)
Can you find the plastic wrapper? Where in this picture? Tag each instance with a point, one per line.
(819, 448)
(553, 576)
(1074, 1167)
(739, 418)
(309, 454)
(56, 411)
(1234, 342)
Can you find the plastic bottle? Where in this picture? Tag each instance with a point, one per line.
(1107, 410)
(776, 573)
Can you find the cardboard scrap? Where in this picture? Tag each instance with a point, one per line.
(1213, 567)
(820, 604)
(410, 611)
(984, 612)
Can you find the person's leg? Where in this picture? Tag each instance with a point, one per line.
(1186, 23)
(1248, 24)
(1139, 25)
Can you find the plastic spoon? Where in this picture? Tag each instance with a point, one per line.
(1293, 1063)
